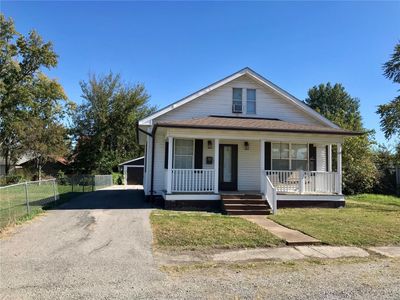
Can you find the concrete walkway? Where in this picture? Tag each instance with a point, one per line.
(391, 251)
(290, 236)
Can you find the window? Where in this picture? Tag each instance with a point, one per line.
(280, 156)
(251, 101)
(237, 100)
(299, 156)
(183, 154)
(287, 156)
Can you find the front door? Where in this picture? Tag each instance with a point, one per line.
(228, 157)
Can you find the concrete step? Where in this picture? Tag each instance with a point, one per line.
(246, 212)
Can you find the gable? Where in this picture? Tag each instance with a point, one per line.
(271, 102)
(219, 101)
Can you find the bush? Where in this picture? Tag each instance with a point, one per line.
(117, 178)
(10, 179)
(61, 178)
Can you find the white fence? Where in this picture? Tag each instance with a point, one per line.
(270, 195)
(303, 182)
(192, 180)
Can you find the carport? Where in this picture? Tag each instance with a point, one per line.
(133, 171)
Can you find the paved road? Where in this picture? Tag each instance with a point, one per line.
(99, 244)
(99, 247)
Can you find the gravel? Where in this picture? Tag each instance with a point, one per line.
(98, 246)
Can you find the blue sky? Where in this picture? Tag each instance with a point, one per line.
(176, 48)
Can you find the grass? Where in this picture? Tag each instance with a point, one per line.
(13, 209)
(195, 231)
(367, 220)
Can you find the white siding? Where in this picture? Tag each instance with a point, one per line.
(219, 102)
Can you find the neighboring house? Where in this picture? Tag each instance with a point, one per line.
(133, 171)
(239, 138)
(13, 167)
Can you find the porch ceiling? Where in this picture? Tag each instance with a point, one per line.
(253, 124)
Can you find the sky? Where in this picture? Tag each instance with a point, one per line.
(176, 48)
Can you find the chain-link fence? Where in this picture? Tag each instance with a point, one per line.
(20, 199)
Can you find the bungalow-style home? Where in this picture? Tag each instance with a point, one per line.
(245, 143)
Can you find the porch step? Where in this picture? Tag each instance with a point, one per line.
(243, 201)
(247, 212)
(241, 196)
(244, 204)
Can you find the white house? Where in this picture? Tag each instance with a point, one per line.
(239, 138)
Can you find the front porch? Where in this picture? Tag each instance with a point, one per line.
(246, 165)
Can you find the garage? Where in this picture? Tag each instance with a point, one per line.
(133, 171)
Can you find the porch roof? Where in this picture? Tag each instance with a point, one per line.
(253, 124)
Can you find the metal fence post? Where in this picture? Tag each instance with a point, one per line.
(27, 198)
(54, 191)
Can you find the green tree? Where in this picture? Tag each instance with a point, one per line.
(30, 103)
(21, 61)
(390, 112)
(105, 123)
(359, 171)
(385, 160)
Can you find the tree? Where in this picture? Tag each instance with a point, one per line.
(105, 123)
(359, 171)
(385, 160)
(31, 105)
(390, 112)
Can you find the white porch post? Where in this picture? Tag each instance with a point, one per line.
(330, 158)
(262, 165)
(339, 168)
(216, 165)
(169, 172)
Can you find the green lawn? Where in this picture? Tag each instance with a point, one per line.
(194, 230)
(367, 220)
(13, 207)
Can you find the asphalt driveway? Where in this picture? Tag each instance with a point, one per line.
(95, 246)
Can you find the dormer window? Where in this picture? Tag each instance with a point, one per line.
(237, 100)
(251, 101)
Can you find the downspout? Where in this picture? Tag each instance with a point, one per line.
(153, 143)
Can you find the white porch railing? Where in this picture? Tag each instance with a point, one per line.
(270, 194)
(192, 180)
(305, 182)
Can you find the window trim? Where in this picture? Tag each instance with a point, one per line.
(255, 102)
(193, 152)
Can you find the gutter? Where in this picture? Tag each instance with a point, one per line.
(216, 127)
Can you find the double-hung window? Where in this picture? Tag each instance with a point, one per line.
(280, 156)
(183, 154)
(237, 100)
(286, 156)
(299, 156)
(251, 101)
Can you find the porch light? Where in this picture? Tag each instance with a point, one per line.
(246, 146)
(209, 144)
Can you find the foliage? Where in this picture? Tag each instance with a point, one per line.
(367, 220)
(31, 104)
(390, 112)
(105, 123)
(117, 178)
(385, 160)
(359, 171)
(61, 178)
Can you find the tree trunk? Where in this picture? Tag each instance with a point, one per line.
(7, 160)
